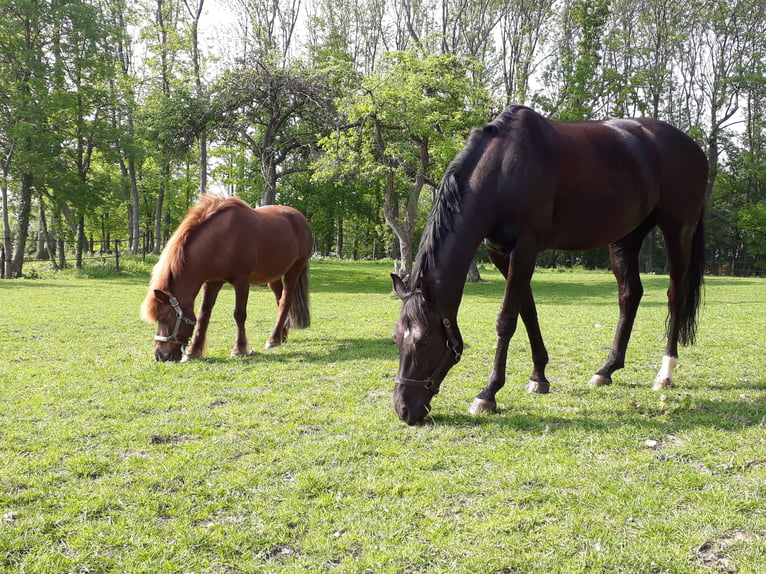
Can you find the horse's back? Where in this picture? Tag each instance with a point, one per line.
(578, 185)
(263, 243)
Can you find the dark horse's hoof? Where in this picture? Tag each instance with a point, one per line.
(600, 381)
(538, 387)
(481, 406)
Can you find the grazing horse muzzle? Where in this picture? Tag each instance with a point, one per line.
(412, 397)
(165, 354)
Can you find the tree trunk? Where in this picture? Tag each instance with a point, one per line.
(135, 223)
(158, 212)
(25, 206)
(339, 239)
(5, 272)
(269, 172)
(473, 273)
(79, 241)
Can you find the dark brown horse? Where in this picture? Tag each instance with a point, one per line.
(523, 184)
(226, 241)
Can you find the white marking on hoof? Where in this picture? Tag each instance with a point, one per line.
(481, 406)
(664, 378)
(538, 387)
(236, 353)
(185, 358)
(599, 381)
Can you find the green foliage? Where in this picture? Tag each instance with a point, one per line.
(103, 108)
(412, 99)
(292, 460)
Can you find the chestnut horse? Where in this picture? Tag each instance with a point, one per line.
(523, 184)
(226, 241)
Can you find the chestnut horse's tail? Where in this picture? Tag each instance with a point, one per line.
(690, 313)
(299, 315)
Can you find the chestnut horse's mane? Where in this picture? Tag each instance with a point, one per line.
(172, 260)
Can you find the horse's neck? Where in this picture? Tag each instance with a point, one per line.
(453, 258)
(187, 284)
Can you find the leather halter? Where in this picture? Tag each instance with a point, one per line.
(450, 357)
(180, 318)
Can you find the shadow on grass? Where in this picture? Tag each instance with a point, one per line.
(725, 415)
(339, 350)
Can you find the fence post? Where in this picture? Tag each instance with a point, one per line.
(117, 254)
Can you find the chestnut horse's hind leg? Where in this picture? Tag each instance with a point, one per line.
(284, 300)
(624, 258)
(242, 292)
(210, 290)
(517, 300)
(277, 288)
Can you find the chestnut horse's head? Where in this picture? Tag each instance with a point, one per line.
(175, 325)
(429, 345)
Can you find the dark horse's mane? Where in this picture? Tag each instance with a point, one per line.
(172, 259)
(449, 196)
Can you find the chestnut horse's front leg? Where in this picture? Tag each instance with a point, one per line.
(210, 290)
(241, 292)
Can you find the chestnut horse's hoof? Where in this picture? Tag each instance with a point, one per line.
(538, 387)
(238, 353)
(600, 381)
(481, 406)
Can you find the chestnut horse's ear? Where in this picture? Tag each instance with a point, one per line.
(399, 287)
(162, 296)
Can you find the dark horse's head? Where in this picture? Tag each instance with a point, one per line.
(429, 345)
(175, 324)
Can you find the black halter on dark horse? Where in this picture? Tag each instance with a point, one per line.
(524, 184)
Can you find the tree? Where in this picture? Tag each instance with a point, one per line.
(522, 34)
(267, 108)
(401, 131)
(25, 30)
(575, 76)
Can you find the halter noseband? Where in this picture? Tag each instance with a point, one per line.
(180, 318)
(450, 357)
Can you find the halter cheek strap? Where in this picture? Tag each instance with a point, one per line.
(180, 318)
(450, 357)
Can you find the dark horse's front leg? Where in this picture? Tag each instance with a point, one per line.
(210, 290)
(517, 300)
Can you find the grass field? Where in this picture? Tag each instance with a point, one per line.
(292, 460)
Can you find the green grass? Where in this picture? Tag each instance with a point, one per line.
(293, 460)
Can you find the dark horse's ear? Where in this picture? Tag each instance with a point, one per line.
(399, 287)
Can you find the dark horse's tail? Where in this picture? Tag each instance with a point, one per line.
(299, 315)
(690, 312)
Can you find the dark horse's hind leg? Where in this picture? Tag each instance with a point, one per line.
(679, 242)
(624, 258)
(210, 291)
(518, 300)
